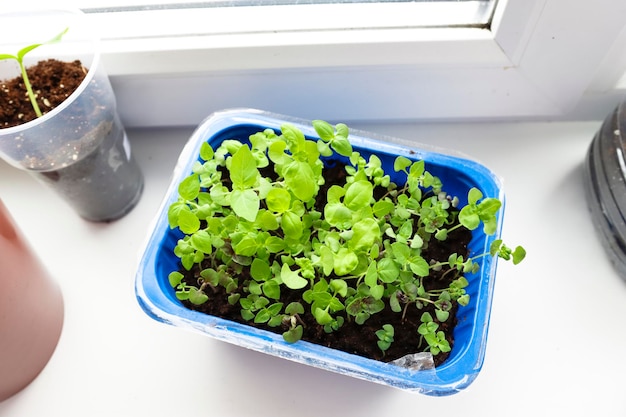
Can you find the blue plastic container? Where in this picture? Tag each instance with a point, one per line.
(458, 174)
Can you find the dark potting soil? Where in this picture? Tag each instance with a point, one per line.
(53, 81)
(352, 337)
(86, 159)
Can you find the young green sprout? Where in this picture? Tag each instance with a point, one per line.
(19, 57)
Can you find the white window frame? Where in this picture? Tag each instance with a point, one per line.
(540, 58)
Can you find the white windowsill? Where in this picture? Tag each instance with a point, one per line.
(114, 360)
(535, 63)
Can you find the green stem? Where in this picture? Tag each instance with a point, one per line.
(29, 90)
(454, 227)
(423, 300)
(438, 264)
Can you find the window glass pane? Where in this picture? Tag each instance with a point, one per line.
(425, 13)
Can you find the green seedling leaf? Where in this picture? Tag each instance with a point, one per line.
(324, 129)
(275, 321)
(206, 151)
(473, 196)
(322, 316)
(442, 315)
(255, 288)
(233, 298)
(291, 225)
(246, 247)
(405, 231)
(339, 286)
(260, 270)
(201, 241)
(211, 276)
(469, 218)
(294, 308)
(57, 38)
(182, 295)
(263, 316)
(259, 141)
(229, 146)
(463, 300)
(260, 302)
(220, 195)
(327, 259)
(295, 138)
(401, 251)
(278, 200)
(338, 215)
(518, 255)
(377, 292)
(189, 188)
(345, 261)
(358, 195)
(342, 131)
(197, 297)
(324, 148)
(271, 289)
(419, 266)
(427, 328)
(418, 172)
(442, 234)
(365, 234)
(247, 315)
(490, 226)
(334, 194)
(188, 222)
(300, 179)
(274, 244)
(385, 337)
(342, 146)
(375, 251)
(417, 242)
(245, 203)
(388, 270)
(293, 335)
(498, 248)
(291, 278)
(394, 302)
(266, 220)
(338, 141)
(276, 152)
(401, 163)
(371, 275)
(247, 303)
(489, 207)
(243, 171)
(175, 278)
(173, 212)
(382, 208)
(263, 187)
(495, 247)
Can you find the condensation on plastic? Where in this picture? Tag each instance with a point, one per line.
(458, 174)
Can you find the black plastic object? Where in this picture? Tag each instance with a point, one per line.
(605, 175)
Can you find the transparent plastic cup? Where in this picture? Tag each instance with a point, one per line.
(80, 148)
